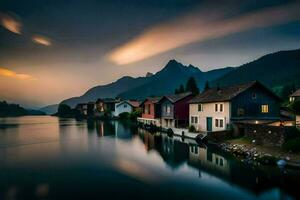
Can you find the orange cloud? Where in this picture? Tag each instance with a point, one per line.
(11, 23)
(198, 27)
(12, 74)
(41, 40)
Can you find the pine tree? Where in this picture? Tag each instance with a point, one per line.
(181, 89)
(176, 91)
(191, 86)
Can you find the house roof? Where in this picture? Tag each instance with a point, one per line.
(227, 93)
(151, 99)
(296, 94)
(134, 103)
(176, 97)
(109, 100)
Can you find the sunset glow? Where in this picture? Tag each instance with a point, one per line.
(197, 28)
(41, 40)
(11, 24)
(12, 74)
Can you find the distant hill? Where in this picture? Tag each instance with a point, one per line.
(50, 109)
(170, 77)
(273, 70)
(163, 82)
(15, 110)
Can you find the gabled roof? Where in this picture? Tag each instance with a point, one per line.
(227, 93)
(134, 103)
(151, 99)
(176, 97)
(296, 94)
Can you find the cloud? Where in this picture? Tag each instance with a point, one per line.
(11, 23)
(198, 27)
(41, 40)
(9, 73)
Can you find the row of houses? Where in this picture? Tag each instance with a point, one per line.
(215, 109)
(107, 106)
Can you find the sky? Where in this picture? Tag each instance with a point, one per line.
(51, 50)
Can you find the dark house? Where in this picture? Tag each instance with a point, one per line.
(175, 110)
(216, 108)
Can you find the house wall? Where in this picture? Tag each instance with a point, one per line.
(165, 103)
(122, 107)
(181, 109)
(209, 111)
(298, 121)
(252, 106)
(151, 114)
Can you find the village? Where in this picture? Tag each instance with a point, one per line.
(250, 111)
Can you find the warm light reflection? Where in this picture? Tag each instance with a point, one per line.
(9, 73)
(11, 24)
(198, 27)
(41, 40)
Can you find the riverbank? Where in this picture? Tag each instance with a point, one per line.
(248, 152)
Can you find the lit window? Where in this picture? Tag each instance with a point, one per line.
(216, 107)
(200, 107)
(221, 107)
(264, 108)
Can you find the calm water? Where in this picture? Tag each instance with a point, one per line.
(52, 158)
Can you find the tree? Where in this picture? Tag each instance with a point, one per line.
(191, 86)
(206, 86)
(287, 90)
(181, 89)
(176, 91)
(64, 110)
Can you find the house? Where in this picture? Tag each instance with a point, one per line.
(125, 107)
(215, 109)
(106, 105)
(298, 121)
(295, 96)
(150, 111)
(175, 110)
(86, 109)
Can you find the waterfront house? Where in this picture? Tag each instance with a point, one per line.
(295, 96)
(86, 109)
(106, 105)
(125, 107)
(215, 109)
(150, 111)
(175, 110)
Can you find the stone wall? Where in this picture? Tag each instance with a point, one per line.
(266, 135)
(218, 136)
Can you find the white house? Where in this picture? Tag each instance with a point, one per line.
(215, 109)
(125, 106)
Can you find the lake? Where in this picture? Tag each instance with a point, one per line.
(53, 158)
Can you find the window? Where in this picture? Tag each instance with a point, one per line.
(200, 107)
(221, 123)
(216, 107)
(194, 120)
(253, 95)
(221, 107)
(125, 105)
(221, 162)
(264, 108)
(216, 123)
(168, 109)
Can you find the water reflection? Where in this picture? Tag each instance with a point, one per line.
(52, 158)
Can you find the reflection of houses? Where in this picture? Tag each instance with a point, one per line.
(216, 108)
(200, 157)
(175, 110)
(150, 111)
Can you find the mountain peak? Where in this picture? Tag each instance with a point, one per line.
(173, 64)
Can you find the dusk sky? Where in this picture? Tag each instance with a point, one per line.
(52, 50)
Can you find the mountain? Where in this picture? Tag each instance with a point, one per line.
(170, 77)
(50, 109)
(273, 70)
(107, 91)
(15, 110)
(163, 82)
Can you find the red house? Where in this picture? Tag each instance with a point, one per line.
(175, 110)
(150, 111)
